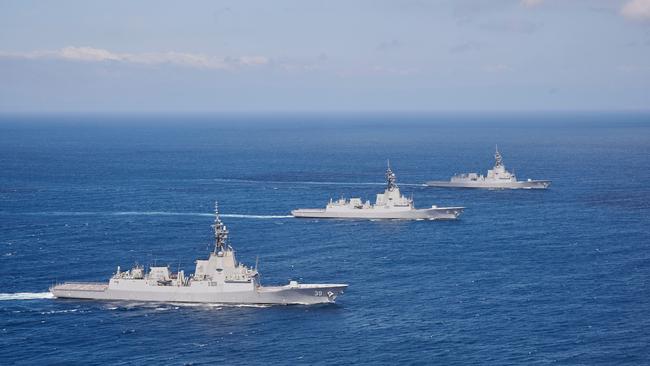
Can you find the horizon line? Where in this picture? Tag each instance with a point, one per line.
(235, 113)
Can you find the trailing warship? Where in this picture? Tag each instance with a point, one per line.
(389, 205)
(218, 279)
(497, 178)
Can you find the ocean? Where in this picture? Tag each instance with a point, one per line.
(523, 277)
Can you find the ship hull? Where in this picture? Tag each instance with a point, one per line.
(302, 294)
(532, 184)
(438, 213)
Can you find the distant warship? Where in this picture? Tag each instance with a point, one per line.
(389, 205)
(218, 279)
(496, 178)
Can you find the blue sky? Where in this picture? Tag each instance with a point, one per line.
(259, 56)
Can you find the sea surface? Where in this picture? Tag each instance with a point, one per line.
(524, 277)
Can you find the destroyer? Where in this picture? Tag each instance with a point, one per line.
(218, 279)
(496, 178)
(389, 205)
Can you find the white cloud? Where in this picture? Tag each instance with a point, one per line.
(636, 9)
(531, 3)
(87, 54)
(90, 54)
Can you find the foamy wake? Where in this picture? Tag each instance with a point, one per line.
(164, 213)
(218, 306)
(149, 213)
(314, 183)
(257, 216)
(178, 305)
(26, 296)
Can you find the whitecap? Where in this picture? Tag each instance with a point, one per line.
(59, 311)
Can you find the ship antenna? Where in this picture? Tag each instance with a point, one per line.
(497, 156)
(220, 231)
(391, 179)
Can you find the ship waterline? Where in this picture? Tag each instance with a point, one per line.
(434, 213)
(527, 184)
(291, 294)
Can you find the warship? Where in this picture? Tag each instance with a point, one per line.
(389, 205)
(220, 279)
(497, 178)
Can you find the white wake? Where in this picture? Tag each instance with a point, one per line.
(164, 213)
(257, 216)
(146, 213)
(26, 296)
(315, 183)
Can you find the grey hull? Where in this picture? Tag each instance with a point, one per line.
(533, 184)
(440, 213)
(276, 295)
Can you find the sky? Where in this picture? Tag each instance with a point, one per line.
(327, 56)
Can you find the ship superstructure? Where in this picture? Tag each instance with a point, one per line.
(496, 178)
(218, 279)
(388, 205)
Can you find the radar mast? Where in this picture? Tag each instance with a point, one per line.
(220, 231)
(391, 179)
(497, 157)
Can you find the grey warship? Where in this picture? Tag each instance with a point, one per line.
(220, 279)
(497, 178)
(389, 205)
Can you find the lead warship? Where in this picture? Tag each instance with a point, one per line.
(218, 279)
(497, 178)
(389, 205)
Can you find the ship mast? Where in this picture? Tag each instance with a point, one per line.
(391, 179)
(497, 157)
(220, 231)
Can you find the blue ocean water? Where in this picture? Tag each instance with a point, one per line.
(524, 277)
